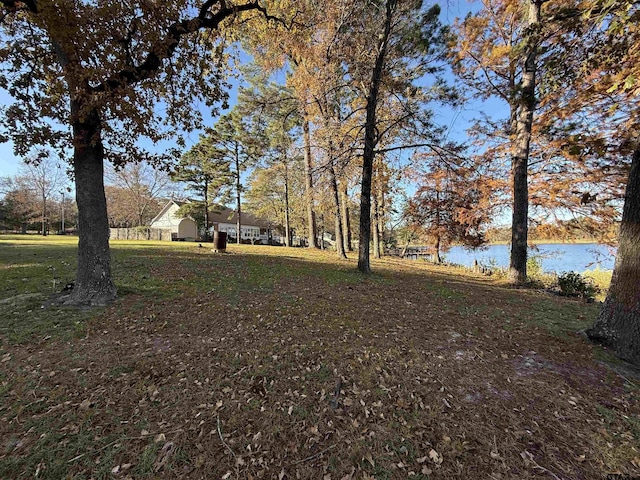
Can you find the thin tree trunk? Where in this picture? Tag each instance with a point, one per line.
(238, 193)
(519, 224)
(62, 215)
(618, 325)
(437, 249)
(308, 175)
(206, 208)
(336, 206)
(287, 231)
(406, 245)
(44, 212)
(93, 284)
(381, 223)
(370, 142)
(346, 221)
(376, 232)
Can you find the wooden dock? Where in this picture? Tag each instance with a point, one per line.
(412, 253)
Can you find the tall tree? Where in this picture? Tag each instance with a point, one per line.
(605, 63)
(292, 49)
(139, 188)
(239, 147)
(205, 170)
(46, 176)
(454, 203)
(274, 119)
(397, 44)
(497, 54)
(522, 145)
(618, 325)
(89, 75)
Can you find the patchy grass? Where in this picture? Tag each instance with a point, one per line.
(273, 362)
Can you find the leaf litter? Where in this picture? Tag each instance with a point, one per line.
(310, 379)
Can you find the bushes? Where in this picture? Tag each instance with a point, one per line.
(573, 284)
(536, 276)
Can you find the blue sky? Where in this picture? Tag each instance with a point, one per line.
(456, 119)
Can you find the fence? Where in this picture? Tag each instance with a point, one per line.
(163, 234)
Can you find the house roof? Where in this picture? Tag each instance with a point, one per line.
(220, 214)
(223, 214)
(165, 208)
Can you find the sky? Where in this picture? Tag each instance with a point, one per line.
(457, 120)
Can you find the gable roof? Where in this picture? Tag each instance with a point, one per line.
(223, 214)
(166, 207)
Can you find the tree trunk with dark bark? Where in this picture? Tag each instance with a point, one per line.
(287, 229)
(375, 221)
(206, 208)
(524, 122)
(44, 212)
(93, 285)
(238, 194)
(308, 176)
(381, 224)
(370, 141)
(346, 222)
(618, 325)
(336, 206)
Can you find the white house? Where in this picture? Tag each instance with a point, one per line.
(180, 227)
(253, 229)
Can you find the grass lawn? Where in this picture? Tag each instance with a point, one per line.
(283, 363)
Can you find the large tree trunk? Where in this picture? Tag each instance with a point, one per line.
(618, 325)
(346, 221)
(308, 176)
(93, 285)
(336, 205)
(238, 195)
(519, 224)
(370, 142)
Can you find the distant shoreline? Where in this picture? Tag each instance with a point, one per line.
(550, 242)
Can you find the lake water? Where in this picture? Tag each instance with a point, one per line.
(554, 257)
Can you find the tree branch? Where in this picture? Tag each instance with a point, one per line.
(167, 45)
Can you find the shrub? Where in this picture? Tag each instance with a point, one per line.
(600, 278)
(536, 276)
(534, 267)
(573, 284)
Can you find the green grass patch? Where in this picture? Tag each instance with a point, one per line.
(561, 318)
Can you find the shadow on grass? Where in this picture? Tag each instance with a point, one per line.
(167, 271)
